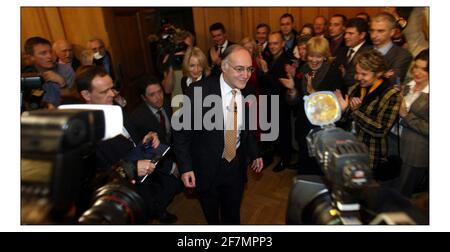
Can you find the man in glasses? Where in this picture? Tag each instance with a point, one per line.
(214, 161)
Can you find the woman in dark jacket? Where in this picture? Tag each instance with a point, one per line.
(372, 104)
(414, 123)
(318, 74)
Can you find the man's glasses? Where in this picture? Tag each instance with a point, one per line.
(241, 69)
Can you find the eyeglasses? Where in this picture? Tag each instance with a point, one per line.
(241, 69)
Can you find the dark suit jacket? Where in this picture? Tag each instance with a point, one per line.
(398, 59)
(144, 121)
(111, 151)
(201, 150)
(341, 59)
(414, 141)
(184, 85)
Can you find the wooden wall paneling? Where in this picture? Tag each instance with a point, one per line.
(248, 22)
(56, 27)
(33, 23)
(372, 11)
(296, 12)
(274, 17)
(236, 26)
(82, 24)
(201, 30)
(307, 15)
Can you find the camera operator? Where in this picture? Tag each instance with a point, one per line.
(171, 49)
(96, 87)
(57, 76)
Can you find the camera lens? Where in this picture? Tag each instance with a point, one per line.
(115, 204)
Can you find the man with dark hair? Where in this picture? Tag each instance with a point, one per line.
(215, 161)
(57, 76)
(288, 32)
(262, 37)
(154, 114)
(336, 33)
(355, 35)
(219, 36)
(96, 87)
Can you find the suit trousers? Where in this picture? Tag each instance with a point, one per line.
(222, 203)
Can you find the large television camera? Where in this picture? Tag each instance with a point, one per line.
(170, 47)
(58, 173)
(346, 194)
(31, 90)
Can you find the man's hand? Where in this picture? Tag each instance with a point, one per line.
(216, 60)
(290, 70)
(257, 165)
(188, 179)
(389, 73)
(151, 136)
(262, 64)
(145, 167)
(54, 77)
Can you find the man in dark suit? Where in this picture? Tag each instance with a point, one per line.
(289, 33)
(336, 31)
(356, 31)
(96, 87)
(214, 161)
(154, 114)
(273, 71)
(221, 43)
(398, 59)
(262, 40)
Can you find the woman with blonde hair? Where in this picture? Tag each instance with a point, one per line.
(195, 67)
(317, 74)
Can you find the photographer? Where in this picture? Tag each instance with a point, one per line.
(96, 87)
(57, 76)
(171, 46)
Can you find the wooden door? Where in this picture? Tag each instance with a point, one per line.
(131, 53)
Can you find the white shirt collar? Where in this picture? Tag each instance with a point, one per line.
(412, 84)
(224, 45)
(189, 80)
(356, 48)
(385, 49)
(225, 89)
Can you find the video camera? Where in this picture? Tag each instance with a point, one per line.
(346, 194)
(170, 44)
(58, 173)
(28, 82)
